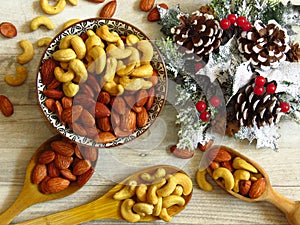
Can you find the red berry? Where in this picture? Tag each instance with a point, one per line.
(215, 101)
(271, 88)
(201, 106)
(225, 24)
(284, 107)
(258, 90)
(198, 66)
(240, 21)
(260, 81)
(246, 26)
(205, 116)
(232, 18)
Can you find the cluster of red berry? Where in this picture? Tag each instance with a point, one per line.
(201, 107)
(261, 86)
(232, 19)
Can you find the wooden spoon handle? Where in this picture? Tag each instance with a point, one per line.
(290, 208)
(99, 209)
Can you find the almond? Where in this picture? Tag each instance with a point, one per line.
(50, 104)
(141, 98)
(43, 185)
(257, 188)
(62, 162)
(6, 106)
(82, 179)
(47, 71)
(104, 97)
(150, 99)
(86, 89)
(53, 171)
(53, 93)
(39, 172)
(78, 151)
(154, 13)
(105, 137)
(244, 187)
(63, 148)
(58, 109)
(66, 102)
(104, 123)
(101, 110)
(121, 133)
(79, 129)
(90, 153)
(214, 165)
(142, 118)
(54, 84)
(218, 154)
(94, 84)
(84, 100)
(118, 105)
(146, 5)
(66, 173)
(87, 119)
(205, 146)
(227, 165)
(109, 9)
(57, 184)
(46, 157)
(8, 29)
(81, 167)
(182, 153)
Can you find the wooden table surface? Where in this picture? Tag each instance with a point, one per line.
(22, 133)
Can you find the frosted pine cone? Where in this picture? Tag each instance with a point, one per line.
(293, 54)
(249, 109)
(198, 34)
(264, 45)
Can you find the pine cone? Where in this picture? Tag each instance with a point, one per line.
(293, 54)
(198, 34)
(264, 45)
(249, 109)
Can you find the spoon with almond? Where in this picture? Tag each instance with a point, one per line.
(155, 193)
(52, 173)
(247, 180)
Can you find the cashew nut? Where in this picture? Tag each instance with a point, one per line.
(174, 180)
(144, 71)
(227, 176)
(143, 209)
(97, 53)
(41, 20)
(79, 69)
(19, 78)
(159, 173)
(134, 84)
(70, 22)
(123, 70)
(134, 58)
(147, 50)
(111, 67)
(127, 213)
(141, 192)
(131, 39)
(118, 53)
(158, 207)
(28, 52)
(113, 88)
(73, 2)
(64, 55)
(164, 215)
(65, 42)
(239, 163)
(104, 33)
(93, 40)
(63, 76)
(127, 191)
(70, 89)
(78, 46)
(238, 176)
(55, 9)
(178, 190)
(202, 181)
(171, 200)
(45, 41)
(152, 197)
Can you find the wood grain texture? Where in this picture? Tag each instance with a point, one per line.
(22, 133)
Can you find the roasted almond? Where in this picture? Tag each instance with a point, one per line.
(150, 99)
(39, 172)
(46, 157)
(104, 123)
(47, 71)
(219, 155)
(6, 106)
(57, 184)
(146, 5)
(87, 119)
(105, 137)
(81, 167)
(109, 9)
(63, 162)
(104, 97)
(90, 153)
(142, 118)
(154, 13)
(141, 98)
(118, 105)
(53, 171)
(66, 173)
(8, 29)
(101, 110)
(66, 102)
(182, 153)
(62, 148)
(244, 187)
(53, 93)
(257, 188)
(82, 179)
(50, 104)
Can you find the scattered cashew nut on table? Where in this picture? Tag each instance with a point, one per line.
(41, 21)
(52, 9)
(44, 41)
(28, 52)
(19, 78)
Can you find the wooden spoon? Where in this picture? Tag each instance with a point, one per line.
(290, 208)
(105, 207)
(30, 194)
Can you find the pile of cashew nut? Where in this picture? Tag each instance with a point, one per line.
(235, 173)
(153, 195)
(122, 62)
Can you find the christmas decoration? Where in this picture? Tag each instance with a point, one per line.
(236, 69)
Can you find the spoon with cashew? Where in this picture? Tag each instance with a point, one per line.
(246, 180)
(155, 193)
(31, 193)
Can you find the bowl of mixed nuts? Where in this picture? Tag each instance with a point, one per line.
(101, 82)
